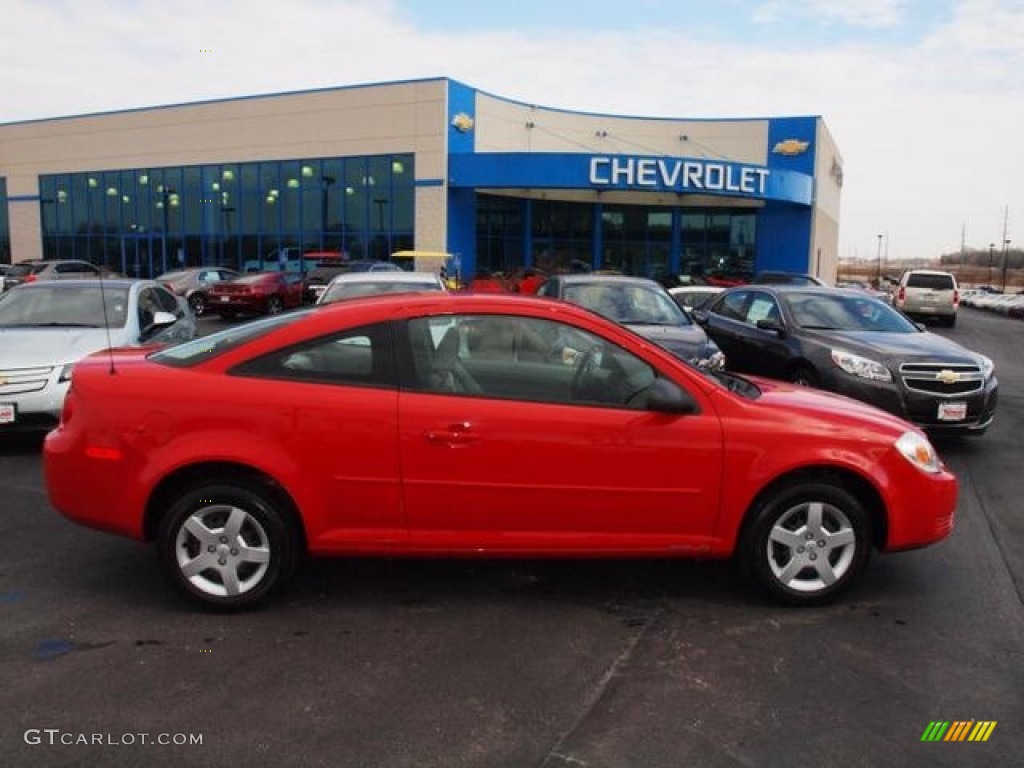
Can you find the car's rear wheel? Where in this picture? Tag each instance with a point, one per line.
(806, 543)
(197, 302)
(274, 305)
(227, 546)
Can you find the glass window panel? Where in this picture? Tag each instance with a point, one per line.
(356, 205)
(189, 199)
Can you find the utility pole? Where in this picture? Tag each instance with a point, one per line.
(1006, 242)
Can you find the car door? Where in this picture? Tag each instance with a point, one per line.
(733, 324)
(515, 459)
(762, 335)
(338, 394)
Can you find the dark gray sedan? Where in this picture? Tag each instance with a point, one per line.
(642, 305)
(854, 344)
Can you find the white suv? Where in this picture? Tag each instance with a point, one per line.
(923, 293)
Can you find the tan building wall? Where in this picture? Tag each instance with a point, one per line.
(370, 120)
(505, 126)
(828, 173)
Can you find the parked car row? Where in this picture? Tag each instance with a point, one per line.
(1009, 304)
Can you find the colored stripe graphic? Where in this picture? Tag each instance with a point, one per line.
(958, 730)
(982, 730)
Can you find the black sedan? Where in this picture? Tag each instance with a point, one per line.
(851, 343)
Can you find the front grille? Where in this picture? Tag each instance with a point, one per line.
(943, 379)
(17, 381)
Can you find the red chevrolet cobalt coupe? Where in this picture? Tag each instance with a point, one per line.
(483, 426)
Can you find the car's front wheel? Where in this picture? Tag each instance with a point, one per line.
(197, 301)
(274, 305)
(806, 543)
(227, 546)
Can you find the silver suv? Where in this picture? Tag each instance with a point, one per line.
(924, 293)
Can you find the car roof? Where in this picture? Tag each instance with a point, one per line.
(386, 276)
(114, 282)
(592, 277)
(927, 272)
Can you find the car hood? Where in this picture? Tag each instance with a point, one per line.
(35, 347)
(900, 346)
(838, 411)
(685, 341)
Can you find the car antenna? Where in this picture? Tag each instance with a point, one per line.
(106, 326)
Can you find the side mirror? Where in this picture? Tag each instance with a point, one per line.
(700, 316)
(160, 321)
(771, 325)
(666, 396)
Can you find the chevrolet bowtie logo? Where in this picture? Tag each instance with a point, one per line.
(2, 381)
(947, 376)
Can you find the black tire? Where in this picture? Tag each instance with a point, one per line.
(219, 567)
(797, 560)
(274, 305)
(197, 301)
(951, 321)
(805, 376)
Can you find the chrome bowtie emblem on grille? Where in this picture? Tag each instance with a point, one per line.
(947, 376)
(2, 381)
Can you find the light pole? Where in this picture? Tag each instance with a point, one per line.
(878, 280)
(1006, 242)
(991, 247)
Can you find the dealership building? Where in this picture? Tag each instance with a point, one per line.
(433, 165)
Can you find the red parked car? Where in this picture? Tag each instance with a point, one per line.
(262, 293)
(479, 426)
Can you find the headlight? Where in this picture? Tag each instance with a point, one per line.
(65, 373)
(860, 366)
(987, 367)
(918, 451)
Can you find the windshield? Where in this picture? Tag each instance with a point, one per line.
(628, 303)
(57, 305)
(206, 347)
(845, 312)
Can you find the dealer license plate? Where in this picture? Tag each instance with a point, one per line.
(954, 411)
(8, 413)
(225, 298)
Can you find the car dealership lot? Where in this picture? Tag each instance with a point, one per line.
(523, 663)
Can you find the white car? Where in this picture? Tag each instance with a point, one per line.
(351, 285)
(46, 327)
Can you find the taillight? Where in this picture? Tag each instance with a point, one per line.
(956, 297)
(902, 294)
(29, 279)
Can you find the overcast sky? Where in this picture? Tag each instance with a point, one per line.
(925, 98)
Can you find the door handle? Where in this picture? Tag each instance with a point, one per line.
(459, 433)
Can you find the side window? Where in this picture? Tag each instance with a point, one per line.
(762, 307)
(166, 301)
(356, 357)
(733, 306)
(522, 358)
